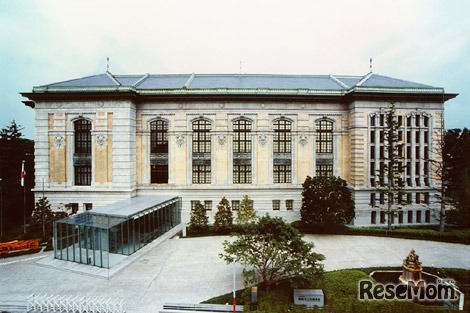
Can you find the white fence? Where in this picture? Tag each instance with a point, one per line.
(73, 304)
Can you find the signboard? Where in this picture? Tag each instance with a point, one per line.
(309, 297)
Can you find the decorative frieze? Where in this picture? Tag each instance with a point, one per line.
(303, 140)
(101, 141)
(221, 139)
(59, 141)
(262, 139)
(180, 139)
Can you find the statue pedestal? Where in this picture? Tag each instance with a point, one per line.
(412, 275)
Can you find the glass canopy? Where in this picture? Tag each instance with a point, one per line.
(103, 236)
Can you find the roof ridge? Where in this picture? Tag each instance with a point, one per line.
(364, 79)
(110, 76)
(138, 82)
(339, 82)
(189, 81)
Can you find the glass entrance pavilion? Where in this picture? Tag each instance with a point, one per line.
(103, 236)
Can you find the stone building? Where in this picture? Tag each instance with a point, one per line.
(105, 138)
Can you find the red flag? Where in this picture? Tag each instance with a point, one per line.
(23, 174)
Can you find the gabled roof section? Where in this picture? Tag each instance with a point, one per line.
(388, 82)
(101, 80)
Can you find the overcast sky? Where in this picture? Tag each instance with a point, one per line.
(425, 41)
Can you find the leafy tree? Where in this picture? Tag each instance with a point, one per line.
(458, 189)
(198, 220)
(12, 132)
(390, 182)
(224, 217)
(43, 217)
(271, 250)
(440, 173)
(326, 201)
(246, 214)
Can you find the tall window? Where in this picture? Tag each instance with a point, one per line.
(282, 151)
(82, 152)
(324, 148)
(159, 152)
(82, 136)
(242, 152)
(324, 130)
(201, 152)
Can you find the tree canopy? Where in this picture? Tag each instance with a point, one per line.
(199, 220)
(457, 154)
(326, 201)
(271, 250)
(223, 217)
(246, 214)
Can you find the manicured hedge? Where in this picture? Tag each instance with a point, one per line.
(420, 233)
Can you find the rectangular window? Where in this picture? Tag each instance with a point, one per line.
(410, 217)
(426, 197)
(208, 205)
(324, 170)
(159, 174)
(73, 207)
(290, 205)
(409, 198)
(400, 217)
(235, 205)
(159, 137)
(372, 199)
(83, 175)
(382, 198)
(193, 204)
(418, 198)
(276, 205)
(418, 216)
(241, 174)
(382, 217)
(373, 217)
(201, 174)
(282, 173)
(427, 216)
(88, 206)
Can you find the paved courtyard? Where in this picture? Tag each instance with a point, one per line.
(189, 270)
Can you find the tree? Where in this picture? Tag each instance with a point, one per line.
(271, 250)
(199, 220)
(42, 215)
(390, 183)
(326, 201)
(13, 150)
(246, 214)
(224, 217)
(440, 173)
(458, 189)
(12, 132)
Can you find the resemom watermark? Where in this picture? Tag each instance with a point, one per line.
(442, 290)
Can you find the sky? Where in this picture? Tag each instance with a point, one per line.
(46, 41)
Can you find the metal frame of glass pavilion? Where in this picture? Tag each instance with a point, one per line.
(101, 236)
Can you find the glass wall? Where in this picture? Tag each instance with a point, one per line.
(91, 238)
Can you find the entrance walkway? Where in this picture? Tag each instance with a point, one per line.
(189, 270)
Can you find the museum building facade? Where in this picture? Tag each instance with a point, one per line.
(201, 137)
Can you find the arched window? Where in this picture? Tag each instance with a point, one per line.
(324, 148)
(282, 151)
(242, 152)
(159, 152)
(324, 141)
(201, 147)
(82, 152)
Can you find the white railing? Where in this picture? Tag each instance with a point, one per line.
(73, 304)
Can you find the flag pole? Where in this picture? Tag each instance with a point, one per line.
(23, 173)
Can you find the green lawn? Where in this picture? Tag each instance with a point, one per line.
(341, 292)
